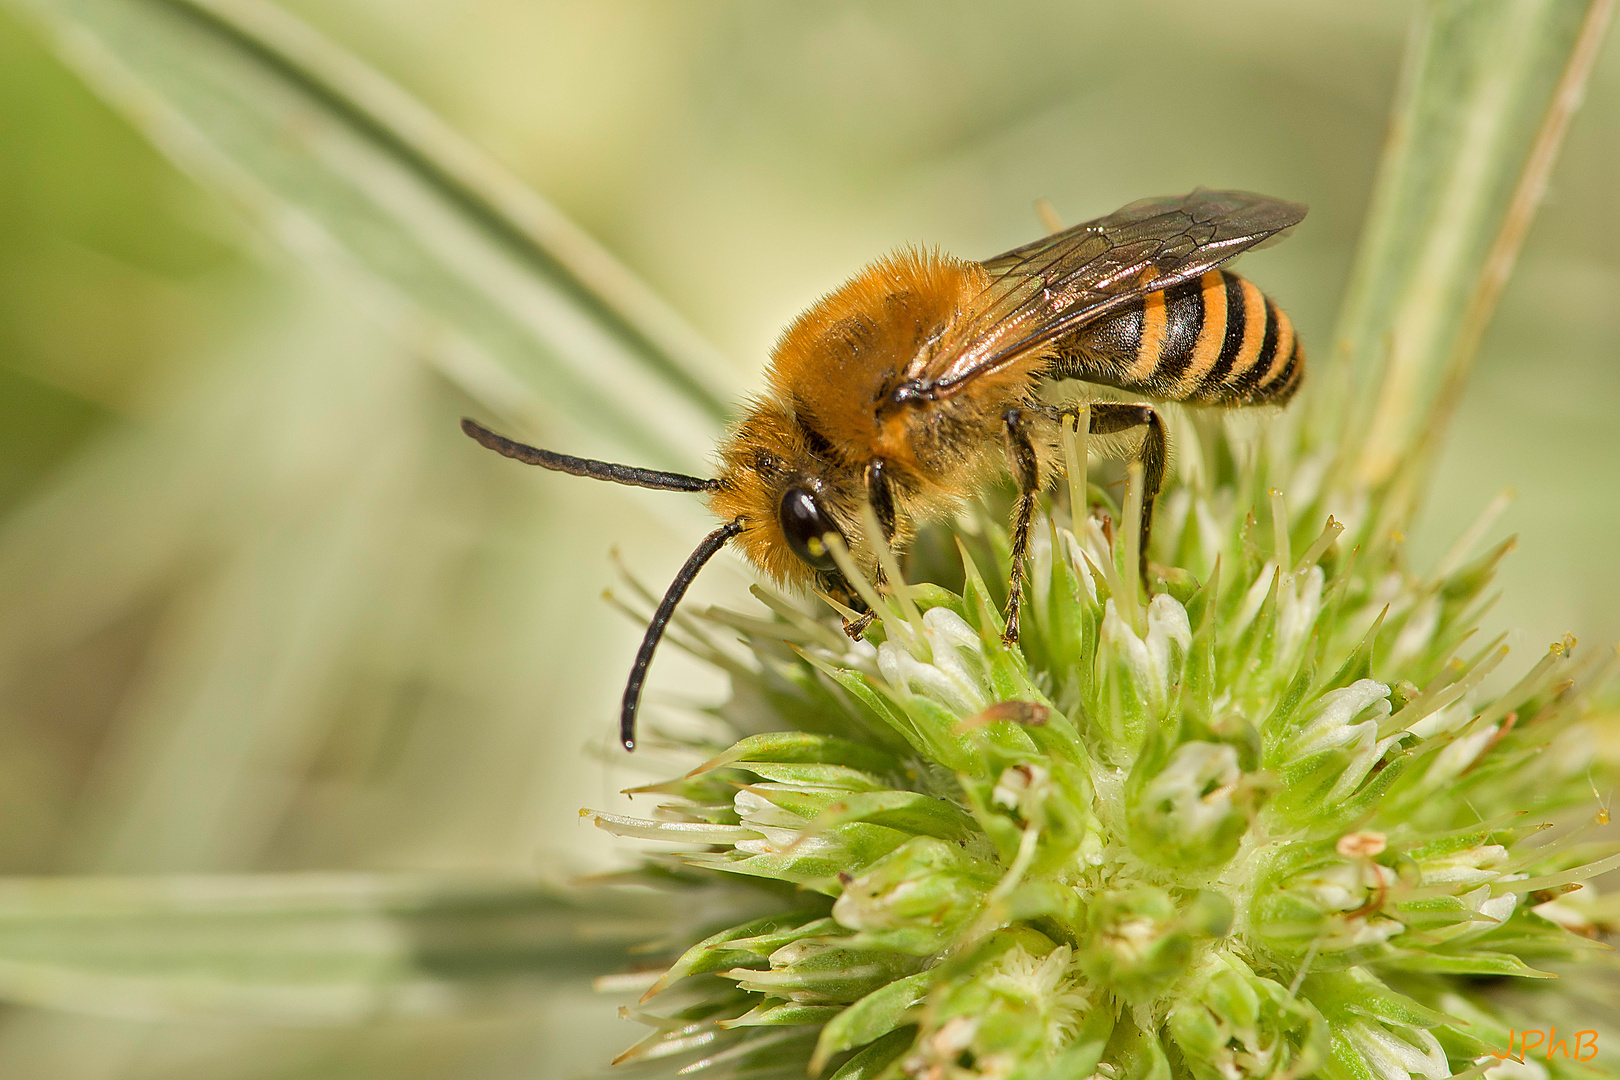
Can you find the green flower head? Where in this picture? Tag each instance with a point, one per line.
(1265, 823)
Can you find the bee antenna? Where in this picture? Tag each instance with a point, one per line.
(655, 629)
(596, 470)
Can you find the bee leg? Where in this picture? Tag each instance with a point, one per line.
(881, 496)
(834, 585)
(1108, 417)
(856, 628)
(1026, 470)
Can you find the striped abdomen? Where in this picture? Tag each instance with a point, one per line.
(1215, 340)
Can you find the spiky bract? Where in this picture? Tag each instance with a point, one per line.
(1264, 825)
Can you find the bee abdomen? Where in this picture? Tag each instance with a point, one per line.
(1215, 340)
(1258, 359)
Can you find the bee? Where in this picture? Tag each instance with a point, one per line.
(917, 382)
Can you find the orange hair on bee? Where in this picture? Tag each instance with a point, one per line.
(854, 340)
(827, 374)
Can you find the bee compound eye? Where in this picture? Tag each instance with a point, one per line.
(804, 523)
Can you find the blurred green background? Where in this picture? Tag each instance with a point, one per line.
(262, 607)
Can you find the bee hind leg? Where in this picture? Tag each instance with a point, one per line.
(1109, 417)
(1026, 473)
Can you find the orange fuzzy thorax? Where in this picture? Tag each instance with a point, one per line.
(836, 363)
(821, 420)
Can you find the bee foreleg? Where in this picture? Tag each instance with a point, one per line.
(1026, 471)
(1108, 417)
(880, 494)
(857, 616)
(856, 629)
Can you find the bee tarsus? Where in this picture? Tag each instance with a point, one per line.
(856, 628)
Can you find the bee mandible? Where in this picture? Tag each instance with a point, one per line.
(915, 383)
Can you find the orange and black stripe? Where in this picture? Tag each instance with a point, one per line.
(1214, 340)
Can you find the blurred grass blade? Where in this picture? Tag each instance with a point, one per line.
(303, 948)
(1489, 87)
(474, 271)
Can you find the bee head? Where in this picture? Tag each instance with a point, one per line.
(783, 482)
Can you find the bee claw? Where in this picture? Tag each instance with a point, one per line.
(856, 629)
(1009, 637)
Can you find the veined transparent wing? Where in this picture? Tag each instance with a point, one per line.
(1054, 285)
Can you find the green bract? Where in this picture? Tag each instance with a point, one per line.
(1264, 824)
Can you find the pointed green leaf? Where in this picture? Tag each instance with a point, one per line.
(874, 1015)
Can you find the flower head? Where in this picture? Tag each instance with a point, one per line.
(1266, 823)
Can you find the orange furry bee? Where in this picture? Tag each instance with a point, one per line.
(917, 381)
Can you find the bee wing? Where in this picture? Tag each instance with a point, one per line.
(1056, 284)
